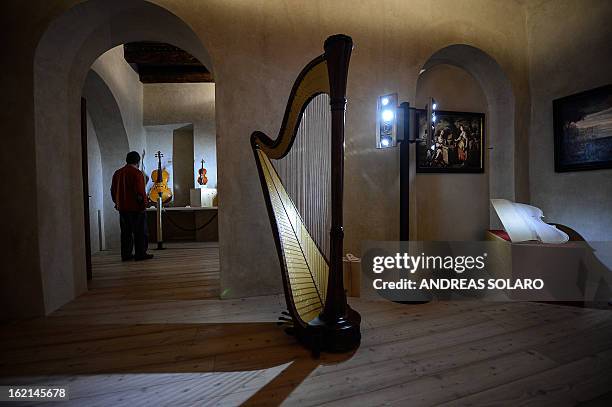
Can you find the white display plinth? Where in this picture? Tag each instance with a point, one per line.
(202, 197)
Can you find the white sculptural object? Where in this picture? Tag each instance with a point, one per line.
(524, 222)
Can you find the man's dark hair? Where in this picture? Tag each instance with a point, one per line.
(132, 158)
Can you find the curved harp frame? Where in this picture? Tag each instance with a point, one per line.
(323, 321)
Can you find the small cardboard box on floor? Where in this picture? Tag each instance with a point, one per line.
(351, 268)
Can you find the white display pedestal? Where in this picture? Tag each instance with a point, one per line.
(202, 197)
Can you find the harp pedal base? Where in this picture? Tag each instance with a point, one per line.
(341, 335)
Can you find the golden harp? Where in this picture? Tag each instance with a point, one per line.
(301, 174)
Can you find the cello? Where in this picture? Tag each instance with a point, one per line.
(160, 182)
(202, 180)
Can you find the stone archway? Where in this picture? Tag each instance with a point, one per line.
(502, 135)
(62, 60)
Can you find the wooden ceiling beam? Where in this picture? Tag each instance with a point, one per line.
(157, 54)
(157, 62)
(174, 74)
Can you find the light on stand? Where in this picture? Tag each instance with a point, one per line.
(431, 107)
(393, 127)
(386, 121)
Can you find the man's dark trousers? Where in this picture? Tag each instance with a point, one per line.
(133, 234)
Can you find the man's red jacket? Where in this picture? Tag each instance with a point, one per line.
(128, 189)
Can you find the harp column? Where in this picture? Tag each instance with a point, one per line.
(341, 323)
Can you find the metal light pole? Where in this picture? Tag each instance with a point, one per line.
(393, 128)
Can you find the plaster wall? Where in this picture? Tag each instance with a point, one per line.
(182, 164)
(172, 103)
(128, 92)
(96, 188)
(569, 52)
(452, 206)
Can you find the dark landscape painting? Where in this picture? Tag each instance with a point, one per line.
(454, 144)
(583, 130)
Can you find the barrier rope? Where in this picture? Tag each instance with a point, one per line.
(188, 229)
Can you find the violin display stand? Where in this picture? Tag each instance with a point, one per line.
(202, 197)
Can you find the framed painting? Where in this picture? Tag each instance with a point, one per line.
(583, 130)
(455, 145)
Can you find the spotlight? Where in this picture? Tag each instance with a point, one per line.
(387, 115)
(386, 121)
(431, 107)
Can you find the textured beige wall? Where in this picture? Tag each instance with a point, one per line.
(182, 165)
(127, 89)
(166, 103)
(257, 48)
(569, 51)
(452, 206)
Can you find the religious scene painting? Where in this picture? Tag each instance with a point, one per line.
(583, 130)
(456, 144)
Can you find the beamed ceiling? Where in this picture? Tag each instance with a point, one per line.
(157, 62)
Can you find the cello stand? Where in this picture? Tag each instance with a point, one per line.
(160, 240)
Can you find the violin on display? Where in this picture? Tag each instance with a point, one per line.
(160, 179)
(202, 180)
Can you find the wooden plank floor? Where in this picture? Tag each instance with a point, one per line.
(155, 333)
(193, 275)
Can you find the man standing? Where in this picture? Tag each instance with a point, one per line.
(130, 198)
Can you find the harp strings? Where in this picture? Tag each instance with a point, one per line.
(306, 171)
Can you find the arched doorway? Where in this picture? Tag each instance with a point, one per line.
(62, 61)
(501, 135)
(443, 199)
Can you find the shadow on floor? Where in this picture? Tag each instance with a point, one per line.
(49, 347)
